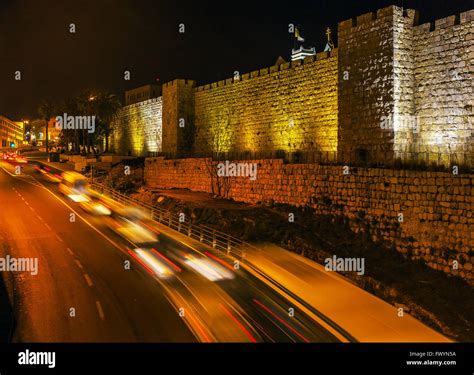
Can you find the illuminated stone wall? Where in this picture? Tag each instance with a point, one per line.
(444, 85)
(366, 85)
(287, 107)
(437, 208)
(405, 89)
(392, 89)
(178, 116)
(138, 128)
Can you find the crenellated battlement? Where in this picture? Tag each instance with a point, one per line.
(411, 15)
(367, 19)
(320, 56)
(446, 22)
(182, 82)
(142, 103)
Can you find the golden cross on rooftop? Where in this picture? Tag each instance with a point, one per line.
(328, 33)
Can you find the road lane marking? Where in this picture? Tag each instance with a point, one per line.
(99, 309)
(59, 238)
(123, 251)
(25, 178)
(88, 280)
(79, 264)
(69, 251)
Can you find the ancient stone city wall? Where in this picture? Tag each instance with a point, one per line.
(437, 208)
(391, 89)
(406, 89)
(292, 106)
(444, 85)
(137, 129)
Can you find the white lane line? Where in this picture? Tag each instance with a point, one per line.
(88, 280)
(59, 238)
(99, 309)
(69, 251)
(79, 264)
(44, 222)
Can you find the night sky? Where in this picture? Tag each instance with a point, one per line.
(142, 36)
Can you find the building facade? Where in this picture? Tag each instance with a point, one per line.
(11, 133)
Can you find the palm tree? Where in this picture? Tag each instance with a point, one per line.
(46, 110)
(107, 106)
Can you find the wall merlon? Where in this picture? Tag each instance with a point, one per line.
(245, 76)
(322, 55)
(423, 28)
(366, 18)
(228, 81)
(445, 22)
(220, 83)
(254, 74)
(295, 63)
(346, 25)
(413, 15)
(467, 16)
(274, 68)
(388, 11)
(308, 59)
(263, 72)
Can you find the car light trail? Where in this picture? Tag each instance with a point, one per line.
(158, 268)
(220, 261)
(206, 269)
(166, 260)
(140, 261)
(249, 335)
(281, 320)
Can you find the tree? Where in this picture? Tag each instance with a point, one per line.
(107, 106)
(46, 110)
(220, 142)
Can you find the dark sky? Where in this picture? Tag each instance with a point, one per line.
(142, 36)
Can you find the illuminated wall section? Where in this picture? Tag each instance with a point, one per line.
(138, 128)
(409, 88)
(366, 86)
(444, 81)
(287, 107)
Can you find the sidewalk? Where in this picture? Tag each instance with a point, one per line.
(366, 317)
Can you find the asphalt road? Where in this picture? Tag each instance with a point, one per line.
(82, 273)
(78, 269)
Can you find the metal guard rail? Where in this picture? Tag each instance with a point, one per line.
(204, 234)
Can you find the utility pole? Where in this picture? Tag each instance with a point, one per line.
(47, 140)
